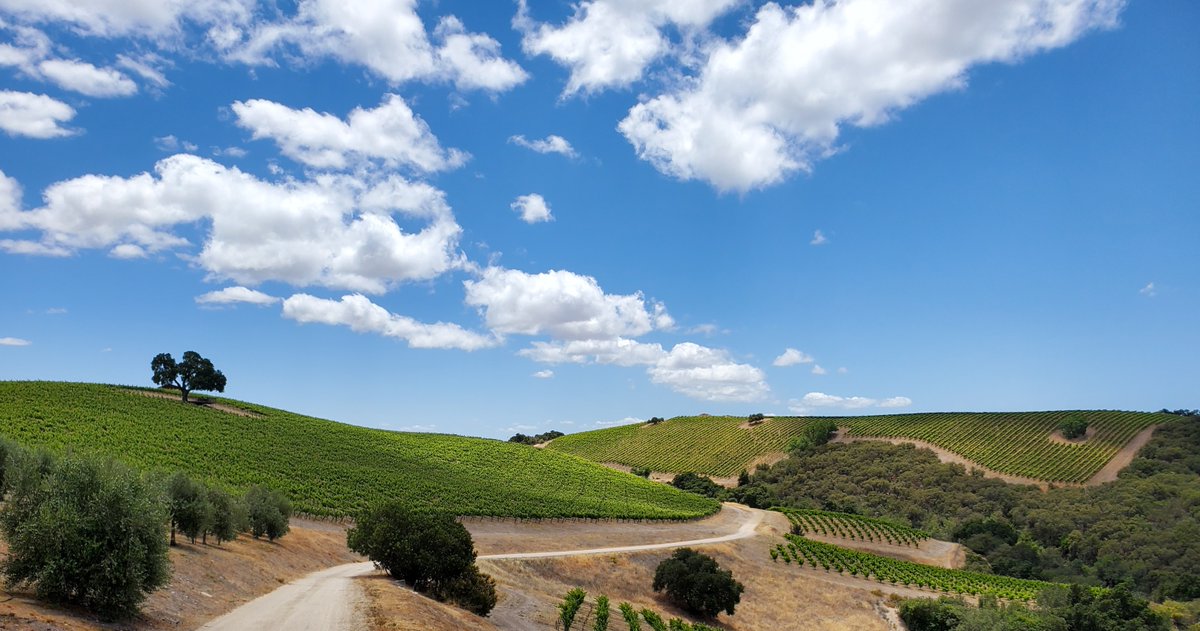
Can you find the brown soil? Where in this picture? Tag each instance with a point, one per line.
(206, 581)
(197, 401)
(1123, 457)
(392, 607)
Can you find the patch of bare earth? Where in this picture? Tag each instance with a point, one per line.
(206, 581)
(197, 401)
(1057, 437)
(390, 606)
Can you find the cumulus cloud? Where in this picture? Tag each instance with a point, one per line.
(390, 133)
(363, 316)
(544, 374)
(618, 351)
(818, 370)
(791, 357)
(774, 101)
(34, 115)
(815, 400)
(550, 144)
(532, 208)
(386, 36)
(609, 43)
(561, 304)
(236, 295)
(332, 231)
(14, 341)
(710, 374)
(128, 251)
(85, 78)
(112, 18)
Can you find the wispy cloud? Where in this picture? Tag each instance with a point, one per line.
(818, 238)
(14, 341)
(791, 357)
(1148, 291)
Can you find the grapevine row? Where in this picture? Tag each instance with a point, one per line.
(847, 526)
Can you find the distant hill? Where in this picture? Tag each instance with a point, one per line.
(325, 467)
(1018, 443)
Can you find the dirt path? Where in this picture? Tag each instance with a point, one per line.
(328, 599)
(1107, 474)
(199, 401)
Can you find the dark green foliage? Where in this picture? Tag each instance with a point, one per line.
(655, 420)
(696, 583)
(569, 607)
(188, 505)
(536, 439)
(924, 614)
(756, 418)
(1074, 609)
(698, 484)
(421, 549)
(641, 472)
(471, 590)
(631, 617)
(193, 373)
(227, 516)
(267, 513)
(602, 613)
(1073, 426)
(85, 531)
(743, 478)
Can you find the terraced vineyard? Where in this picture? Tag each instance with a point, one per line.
(1012, 443)
(329, 468)
(716, 445)
(849, 526)
(831, 558)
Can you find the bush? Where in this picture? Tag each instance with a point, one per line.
(267, 513)
(757, 418)
(569, 607)
(1073, 426)
(471, 590)
(85, 531)
(188, 505)
(924, 614)
(227, 516)
(641, 472)
(655, 420)
(602, 614)
(696, 583)
(699, 484)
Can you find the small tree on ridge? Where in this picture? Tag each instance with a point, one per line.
(193, 373)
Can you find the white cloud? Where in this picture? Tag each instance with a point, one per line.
(609, 43)
(813, 400)
(171, 143)
(773, 102)
(895, 402)
(332, 231)
(147, 67)
(532, 208)
(363, 316)
(791, 357)
(544, 374)
(817, 370)
(843, 370)
(550, 144)
(818, 238)
(705, 373)
(10, 203)
(56, 311)
(559, 303)
(128, 251)
(14, 341)
(111, 18)
(385, 36)
(619, 351)
(85, 78)
(235, 295)
(34, 115)
(1149, 291)
(390, 133)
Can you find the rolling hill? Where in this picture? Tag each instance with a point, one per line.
(325, 467)
(1017, 444)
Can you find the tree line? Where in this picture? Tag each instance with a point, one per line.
(94, 533)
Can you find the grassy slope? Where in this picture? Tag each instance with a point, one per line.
(1016, 443)
(326, 467)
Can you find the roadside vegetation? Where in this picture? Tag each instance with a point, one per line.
(327, 468)
(1013, 443)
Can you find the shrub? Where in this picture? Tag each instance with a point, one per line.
(696, 583)
(1073, 426)
(471, 590)
(602, 613)
(699, 484)
(641, 472)
(569, 607)
(85, 531)
(188, 504)
(929, 615)
(267, 513)
(631, 617)
(227, 516)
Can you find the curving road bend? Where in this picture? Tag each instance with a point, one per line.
(327, 599)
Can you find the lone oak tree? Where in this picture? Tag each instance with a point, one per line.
(193, 373)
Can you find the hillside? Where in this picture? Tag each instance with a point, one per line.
(1018, 444)
(325, 467)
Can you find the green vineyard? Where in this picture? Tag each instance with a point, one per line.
(329, 468)
(847, 526)
(1016, 443)
(831, 558)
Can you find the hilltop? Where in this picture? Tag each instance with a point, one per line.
(1014, 444)
(325, 467)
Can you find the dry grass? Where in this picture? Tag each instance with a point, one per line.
(392, 607)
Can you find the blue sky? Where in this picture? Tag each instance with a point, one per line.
(483, 218)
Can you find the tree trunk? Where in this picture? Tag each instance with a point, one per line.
(172, 532)
(185, 393)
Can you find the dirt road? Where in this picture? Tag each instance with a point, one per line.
(329, 599)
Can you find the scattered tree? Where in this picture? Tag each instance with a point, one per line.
(757, 418)
(536, 439)
(1073, 426)
(193, 373)
(655, 420)
(695, 582)
(694, 483)
(85, 531)
(187, 502)
(268, 513)
(227, 517)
